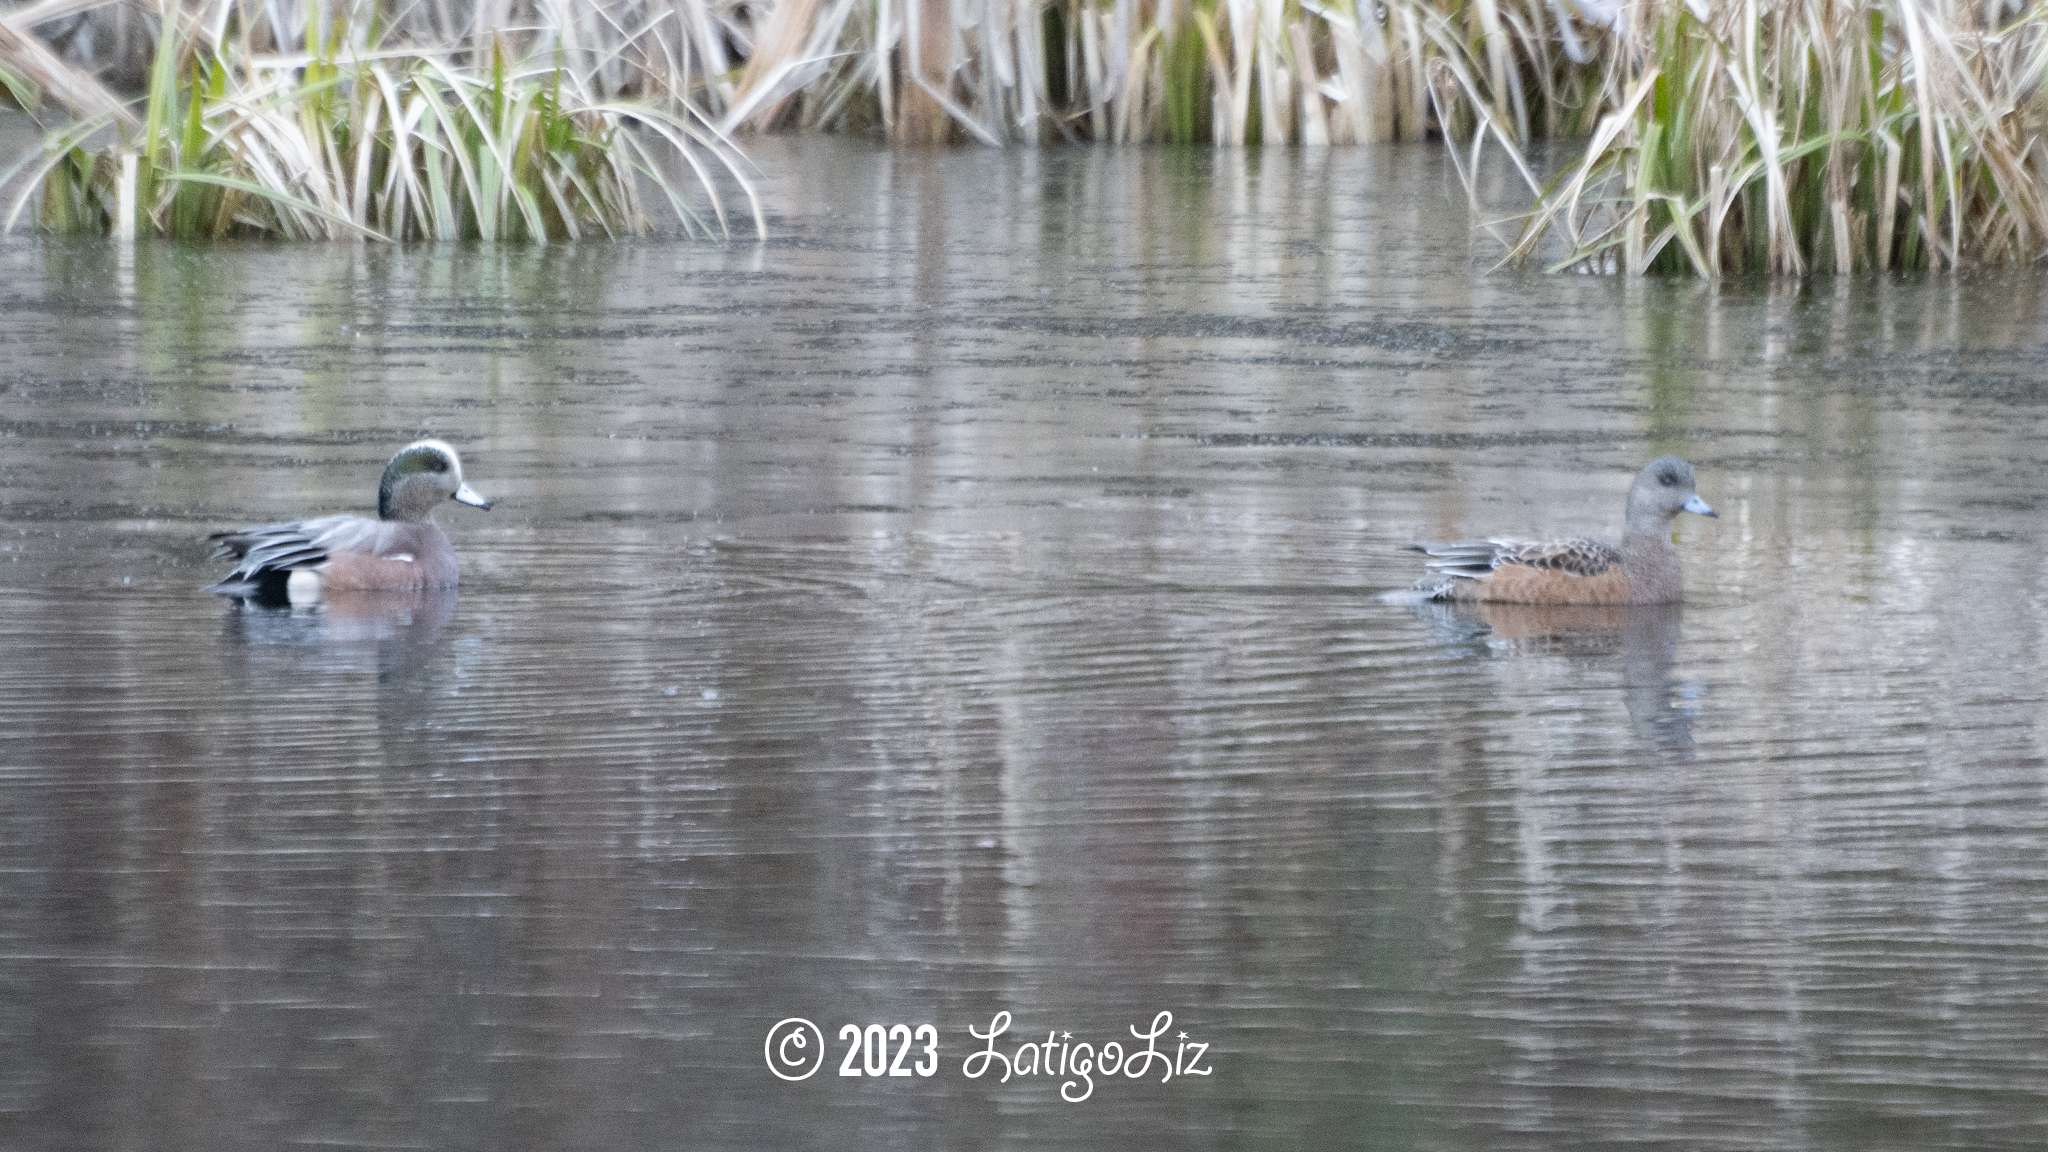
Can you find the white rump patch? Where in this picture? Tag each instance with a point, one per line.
(302, 586)
(1408, 596)
(405, 556)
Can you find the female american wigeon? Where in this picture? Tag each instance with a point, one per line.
(400, 551)
(1644, 570)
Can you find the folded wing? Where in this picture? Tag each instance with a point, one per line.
(1578, 557)
(297, 545)
(1474, 559)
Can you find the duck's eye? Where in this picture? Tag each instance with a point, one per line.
(441, 465)
(1667, 479)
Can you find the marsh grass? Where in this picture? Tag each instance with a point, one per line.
(1722, 136)
(1224, 72)
(1806, 136)
(17, 91)
(350, 137)
(1782, 137)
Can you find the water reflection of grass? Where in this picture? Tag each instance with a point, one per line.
(348, 138)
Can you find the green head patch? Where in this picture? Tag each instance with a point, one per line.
(426, 456)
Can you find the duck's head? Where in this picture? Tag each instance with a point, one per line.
(1662, 490)
(418, 478)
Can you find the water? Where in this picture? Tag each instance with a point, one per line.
(964, 604)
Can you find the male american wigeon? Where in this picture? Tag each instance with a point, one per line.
(400, 551)
(1643, 570)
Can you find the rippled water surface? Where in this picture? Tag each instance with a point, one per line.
(965, 603)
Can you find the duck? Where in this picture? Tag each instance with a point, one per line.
(1643, 569)
(402, 550)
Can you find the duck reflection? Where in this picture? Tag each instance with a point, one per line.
(399, 618)
(401, 630)
(1645, 636)
(318, 665)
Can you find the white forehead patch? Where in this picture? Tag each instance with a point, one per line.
(441, 446)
